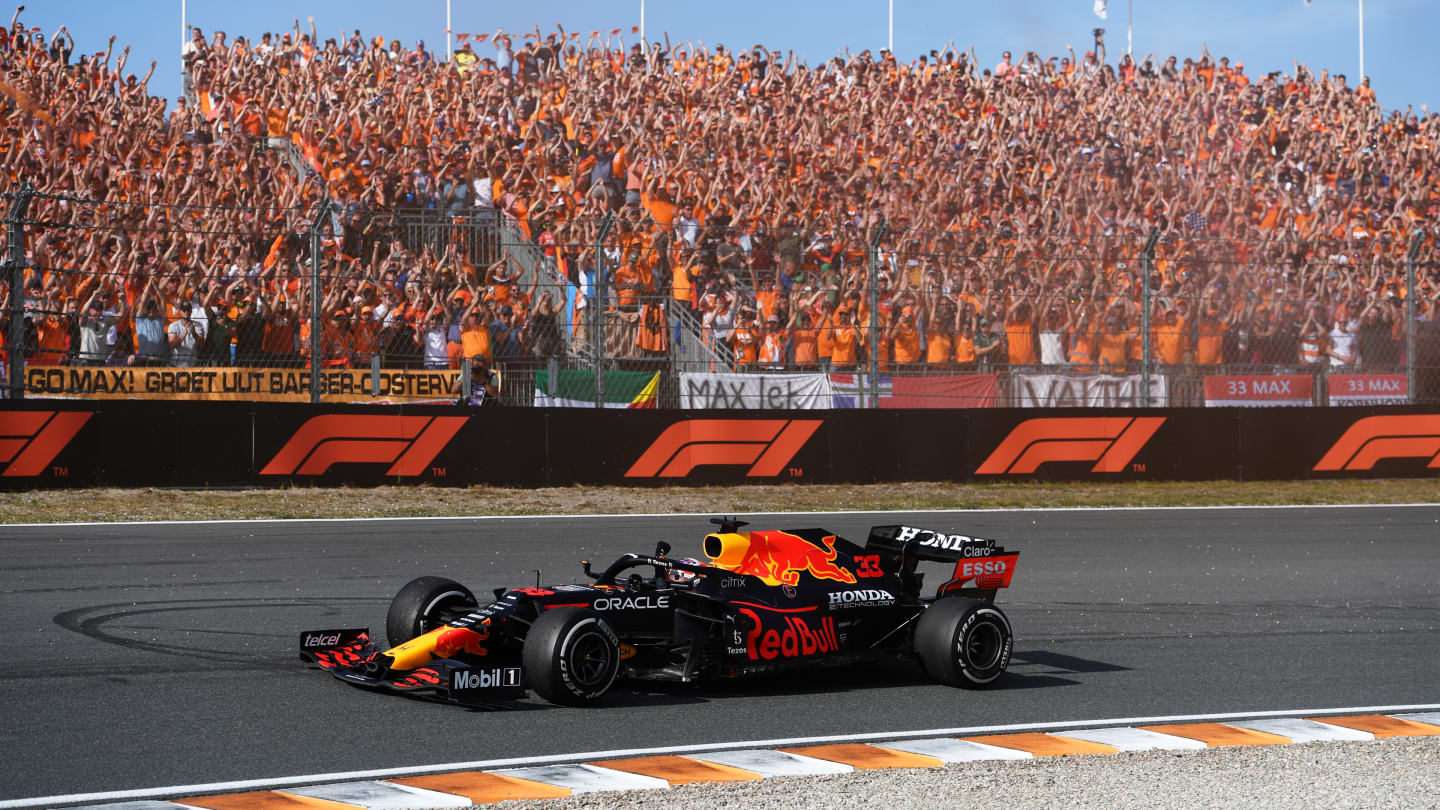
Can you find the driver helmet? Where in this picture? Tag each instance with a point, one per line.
(681, 577)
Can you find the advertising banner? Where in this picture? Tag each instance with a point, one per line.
(1259, 390)
(341, 385)
(784, 392)
(48, 443)
(941, 391)
(1369, 389)
(1086, 390)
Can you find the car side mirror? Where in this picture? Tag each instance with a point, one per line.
(662, 548)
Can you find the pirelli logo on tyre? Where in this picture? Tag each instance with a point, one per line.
(766, 446)
(1376, 438)
(407, 443)
(1109, 441)
(30, 440)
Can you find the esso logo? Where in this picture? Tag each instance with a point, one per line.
(979, 567)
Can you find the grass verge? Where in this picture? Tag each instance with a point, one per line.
(46, 506)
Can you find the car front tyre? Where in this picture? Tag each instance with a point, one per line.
(963, 642)
(418, 607)
(571, 656)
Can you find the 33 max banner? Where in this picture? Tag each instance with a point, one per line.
(136, 443)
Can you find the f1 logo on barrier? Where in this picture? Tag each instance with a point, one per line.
(765, 444)
(1109, 441)
(1374, 438)
(410, 442)
(30, 440)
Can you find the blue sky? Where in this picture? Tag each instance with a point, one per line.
(1266, 35)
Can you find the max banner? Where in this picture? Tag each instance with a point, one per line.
(128, 443)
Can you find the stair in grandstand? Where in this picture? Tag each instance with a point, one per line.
(292, 155)
(691, 350)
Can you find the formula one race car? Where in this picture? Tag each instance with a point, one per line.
(765, 600)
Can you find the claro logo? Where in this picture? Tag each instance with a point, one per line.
(1109, 441)
(767, 445)
(407, 443)
(30, 440)
(1375, 438)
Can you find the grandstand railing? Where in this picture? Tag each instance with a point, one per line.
(251, 332)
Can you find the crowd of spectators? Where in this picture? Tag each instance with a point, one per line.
(1009, 207)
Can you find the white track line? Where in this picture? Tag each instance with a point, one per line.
(382, 773)
(591, 516)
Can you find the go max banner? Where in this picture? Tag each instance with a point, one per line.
(1086, 390)
(341, 385)
(785, 392)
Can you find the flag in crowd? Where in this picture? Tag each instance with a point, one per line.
(576, 389)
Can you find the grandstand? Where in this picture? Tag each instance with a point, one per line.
(555, 204)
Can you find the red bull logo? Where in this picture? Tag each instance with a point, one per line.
(775, 557)
(798, 638)
(455, 640)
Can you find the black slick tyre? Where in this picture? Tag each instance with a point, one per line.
(963, 642)
(571, 656)
(416, 609)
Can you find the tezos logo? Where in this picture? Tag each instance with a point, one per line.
(632, 603)
(322, 640)
(485, 678)
(863, 598)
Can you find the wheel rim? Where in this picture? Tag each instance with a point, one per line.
(982, 646)
(590, 659)
(424, 623)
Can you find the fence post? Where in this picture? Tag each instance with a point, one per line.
(465, 388)
(15, 258)
(1147, 260)
(316, 292)
(1415, 243)
(375, 374)
(874, 326)
(597, 310)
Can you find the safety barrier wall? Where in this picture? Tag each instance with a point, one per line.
(125, 443)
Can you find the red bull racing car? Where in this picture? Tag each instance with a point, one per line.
(763, 600)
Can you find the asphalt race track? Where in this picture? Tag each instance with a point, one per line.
(143, 656)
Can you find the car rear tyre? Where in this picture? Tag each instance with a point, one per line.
(422, 605)
(571, 656)
(963, 642)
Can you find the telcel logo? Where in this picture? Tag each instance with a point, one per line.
(322, 641)
(632, 602)
(485, 678)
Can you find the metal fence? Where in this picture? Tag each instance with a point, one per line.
(346, 304)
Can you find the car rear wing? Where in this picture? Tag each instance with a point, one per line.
(982, 562)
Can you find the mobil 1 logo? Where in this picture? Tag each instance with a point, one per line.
(499, 677)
